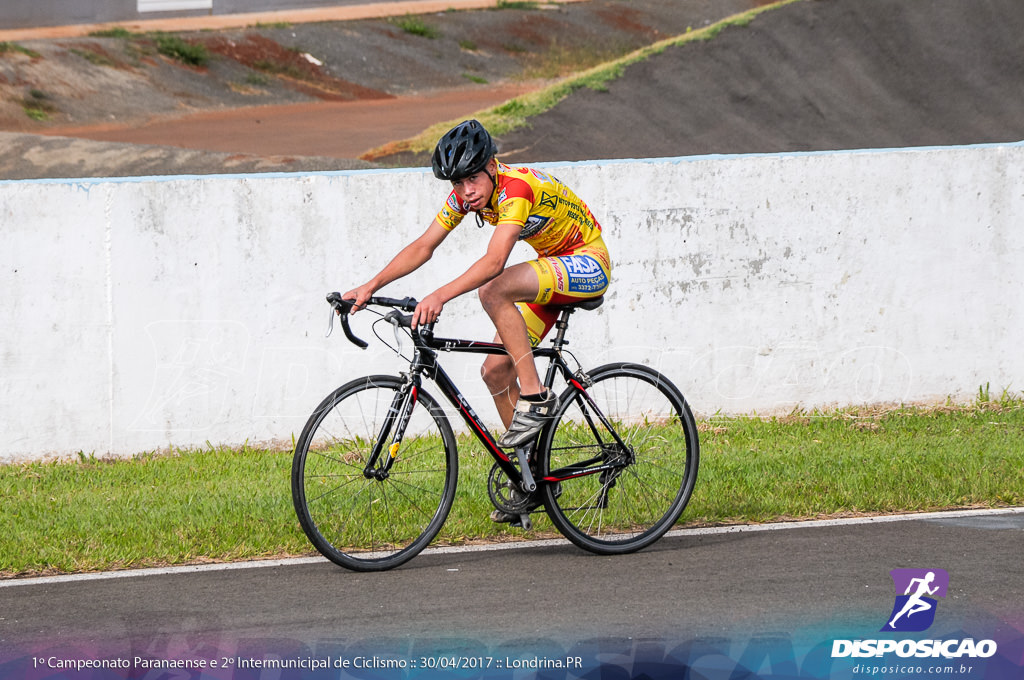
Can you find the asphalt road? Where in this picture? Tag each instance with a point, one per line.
(804, 584)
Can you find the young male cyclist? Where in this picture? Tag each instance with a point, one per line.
(522, 205)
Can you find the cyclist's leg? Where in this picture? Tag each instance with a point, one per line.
(499, 374)
(505, 376)
(532, 286)
(499, 371)
(581, 274)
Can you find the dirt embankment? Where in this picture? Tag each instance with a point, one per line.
(814, 74)
(352, 84)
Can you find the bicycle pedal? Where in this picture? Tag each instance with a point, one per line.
(523, 522)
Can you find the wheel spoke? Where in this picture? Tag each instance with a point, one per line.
(376, 522)
(629, 508)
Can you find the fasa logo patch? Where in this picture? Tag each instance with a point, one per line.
(915, 606)
(581, 265)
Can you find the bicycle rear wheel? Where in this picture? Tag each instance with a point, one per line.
(360, 520)
(619, 491)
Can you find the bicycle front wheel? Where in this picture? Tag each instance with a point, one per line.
(626, 453)
(356, 513)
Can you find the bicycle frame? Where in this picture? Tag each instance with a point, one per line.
(425, 362)
(359, 521)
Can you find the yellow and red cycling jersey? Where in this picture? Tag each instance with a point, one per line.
(552, 219)
(573, 261)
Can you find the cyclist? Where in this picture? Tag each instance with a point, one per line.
(522, 205)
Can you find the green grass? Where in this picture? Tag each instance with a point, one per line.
(220, 504)
(95, 58)
(517, 4)
(187, 53)
(115, 32)
(414, 25)
(38, 105)
(15, 47)
(169, 45)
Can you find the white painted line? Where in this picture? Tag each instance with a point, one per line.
(513, 545)
(878, 519)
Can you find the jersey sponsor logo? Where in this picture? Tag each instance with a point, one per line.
(533, 226)
(581, 265)
(540, 175)
(548, 200)
(454, 203)
(585, 275)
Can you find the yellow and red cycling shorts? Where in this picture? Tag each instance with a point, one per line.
(581, 274)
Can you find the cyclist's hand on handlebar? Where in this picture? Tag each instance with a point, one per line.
(428, 310)
(360, 295)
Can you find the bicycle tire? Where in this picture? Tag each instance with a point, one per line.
(646, 497)
(370, 524)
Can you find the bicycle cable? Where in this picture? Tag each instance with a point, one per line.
(400, 331)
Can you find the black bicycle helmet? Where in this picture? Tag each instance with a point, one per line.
(463, 151)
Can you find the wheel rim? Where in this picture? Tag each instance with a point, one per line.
(353, 519)
(631, 506)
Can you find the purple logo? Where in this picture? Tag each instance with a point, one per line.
(916, 590)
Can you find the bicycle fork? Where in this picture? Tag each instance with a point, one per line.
(399, 414)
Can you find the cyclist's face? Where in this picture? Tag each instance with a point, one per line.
(476, 189)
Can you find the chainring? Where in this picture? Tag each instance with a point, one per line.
(504, 494)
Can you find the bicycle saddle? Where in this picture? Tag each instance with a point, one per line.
(588, 305)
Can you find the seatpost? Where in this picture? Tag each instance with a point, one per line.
(562, 324)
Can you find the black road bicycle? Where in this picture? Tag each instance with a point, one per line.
(375, 468)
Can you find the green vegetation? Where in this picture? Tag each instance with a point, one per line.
(15, 47)
(187, 53)
(559, 61)
(272, 24)
(224, 504)
(474, 78)
(173, 46)
(95, 58)
(277, 68)
(257, 79)
(115, 32)
(517, 4)
(414, 25)
(38, 105)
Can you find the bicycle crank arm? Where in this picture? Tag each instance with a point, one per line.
(529, 483)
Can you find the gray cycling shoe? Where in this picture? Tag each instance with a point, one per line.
(502, 517)
(516, 519)
(530, 417)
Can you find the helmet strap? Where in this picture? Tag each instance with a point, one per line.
(494, 187)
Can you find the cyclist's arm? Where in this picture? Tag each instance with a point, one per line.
(480, 272)
(408, 260)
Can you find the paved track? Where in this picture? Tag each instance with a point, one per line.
(806, 582)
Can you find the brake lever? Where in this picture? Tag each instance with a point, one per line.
(330, 323)
(395, 319)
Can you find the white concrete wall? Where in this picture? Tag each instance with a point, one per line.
(170, 312)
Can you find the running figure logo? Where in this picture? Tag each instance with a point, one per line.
(914, 609)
